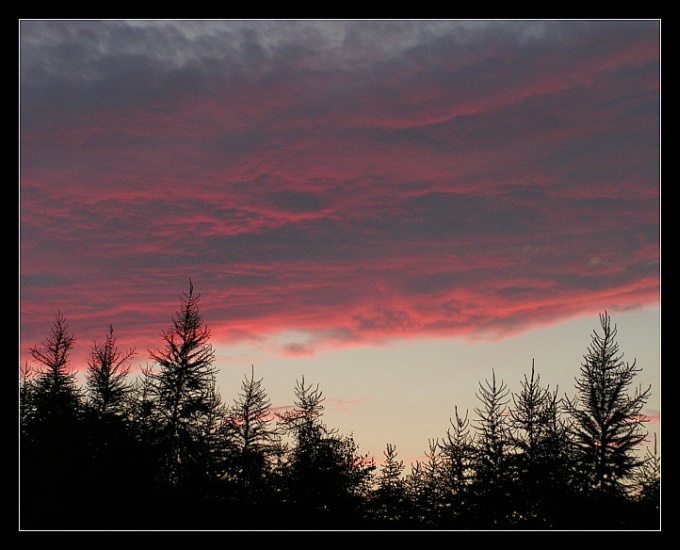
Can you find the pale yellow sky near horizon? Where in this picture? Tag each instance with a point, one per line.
(405, 392)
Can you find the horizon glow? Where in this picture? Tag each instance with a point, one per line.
(341, 189)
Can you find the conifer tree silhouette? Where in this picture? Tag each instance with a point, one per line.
(426, 487)
(326, 478)
(56, 390)
(53, 441)
(493, 467)
(607, 420)
(27, 404)
(251, 434)
(646, 489)
(540, 440)
(166, 444)
(107, 377)
(389, 497)
(183, 390)
(458, 453)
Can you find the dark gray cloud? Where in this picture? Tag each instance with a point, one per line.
(297, 201)
(355, 178)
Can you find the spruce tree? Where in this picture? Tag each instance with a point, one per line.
(107, 377)
(26, 397)
(432, 494)
(142, 413)
(111, 439)
(251, 439)
(183, 388)
(493, 471)
(646, 488)
(327, 480)
(389, 497)
(458, 455)
(607, 423)
(527, 417)
(541, 445)
(57, 394)
(308, 457)
(493, 436)
(54, 452)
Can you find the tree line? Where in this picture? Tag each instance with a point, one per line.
(163, 451)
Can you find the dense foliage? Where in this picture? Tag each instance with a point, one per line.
(163, 452)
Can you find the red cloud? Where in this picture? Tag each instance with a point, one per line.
(470, 187)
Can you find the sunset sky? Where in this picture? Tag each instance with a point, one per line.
(390, 208)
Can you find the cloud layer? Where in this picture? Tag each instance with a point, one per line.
(332, 182)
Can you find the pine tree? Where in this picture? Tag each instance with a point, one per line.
(112, 445)
(646, 487)
(389, 497)
(493, 473)
(458, 468)
(540, 441)
(416, 484)
(557, 471)
(431, 497)
(326, 478)
(26, 398)
(56, 391)
(251, 438)
(147, 478)
(212, 434)
(307, 463)
(142, 413)
(183, 389)
(493, 436)
(607, 420)
(648, 476)
(106, 378)
(54, 452)
(527, 417)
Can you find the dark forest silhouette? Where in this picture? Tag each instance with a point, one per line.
(162, 451)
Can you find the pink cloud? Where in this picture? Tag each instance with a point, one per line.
(471, 186)
(345, 405)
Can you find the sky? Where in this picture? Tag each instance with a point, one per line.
(392, 209)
